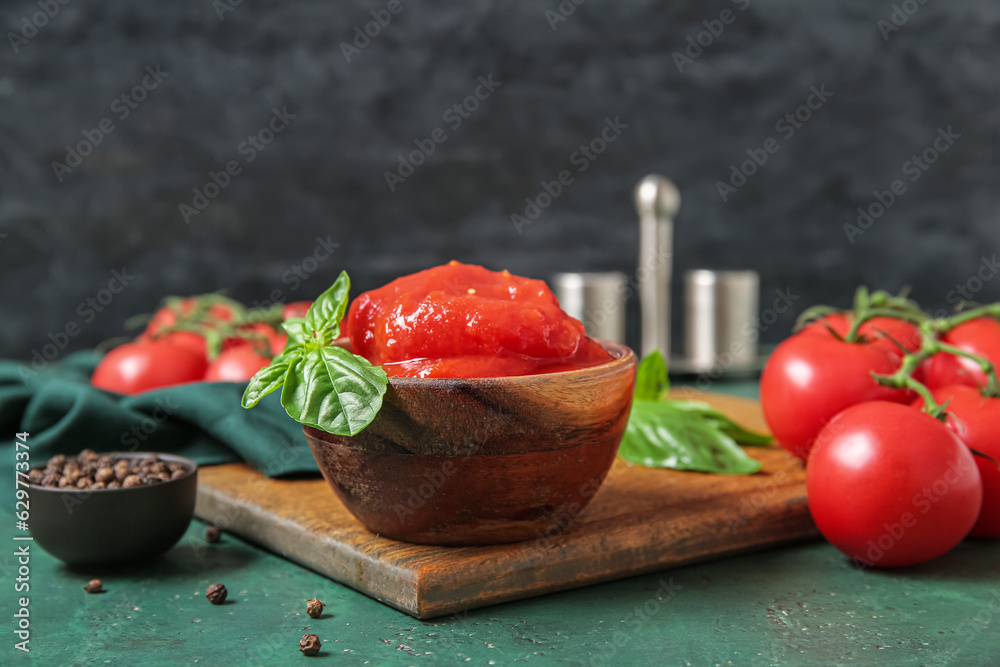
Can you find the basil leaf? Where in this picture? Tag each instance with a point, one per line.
(292, 349)
(331, 389)
(328, 310)
(651, 379)
(322, 385)
(264, 382)
(741, 435)
(662, 435)
(295, 327)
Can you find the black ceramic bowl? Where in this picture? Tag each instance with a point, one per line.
(114, 527)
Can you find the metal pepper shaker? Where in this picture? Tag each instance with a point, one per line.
(657, 201)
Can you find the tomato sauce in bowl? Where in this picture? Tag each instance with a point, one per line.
(465, 321)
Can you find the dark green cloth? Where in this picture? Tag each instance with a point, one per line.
(203, 421)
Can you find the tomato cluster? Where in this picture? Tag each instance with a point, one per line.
(178, 345)
(898, 419)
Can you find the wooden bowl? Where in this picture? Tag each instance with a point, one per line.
(482, 460)
(114, 527)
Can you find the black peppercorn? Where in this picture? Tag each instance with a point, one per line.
(212, 534)
(314, 608)
(309, 644)
(92, 471)
(216, 593)
(94, 586)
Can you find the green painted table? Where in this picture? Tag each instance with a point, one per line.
(799, 605)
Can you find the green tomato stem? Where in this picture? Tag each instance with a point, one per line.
(946, 324)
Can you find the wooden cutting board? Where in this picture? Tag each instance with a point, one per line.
(640, 521)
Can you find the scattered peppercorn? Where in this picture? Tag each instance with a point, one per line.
(93, 471)
(314, 608)
(212, 533)
(94, 586)
(309, 644)
(216, 593)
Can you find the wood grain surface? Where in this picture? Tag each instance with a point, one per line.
(641, 520)
(481, 461)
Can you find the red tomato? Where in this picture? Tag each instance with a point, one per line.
(890, 486)
(811, 377)
(188, 340)
(976, 421)
(980, 337)
(877, 328)
(295, 309)
(167, 317)
(264, 339)
(237, 364)
(136, 367)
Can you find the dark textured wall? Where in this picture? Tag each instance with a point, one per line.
(225, 68)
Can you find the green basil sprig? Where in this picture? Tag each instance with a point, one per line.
(322, 385)
(683, 435)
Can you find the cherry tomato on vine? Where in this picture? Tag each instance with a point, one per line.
(812, 376)
(980, 336)
(186, 339)
(882, 329)
(147, 364)
(237, 364)
(975, 419)
(166, 317)
(261, 336)
(890, 486)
